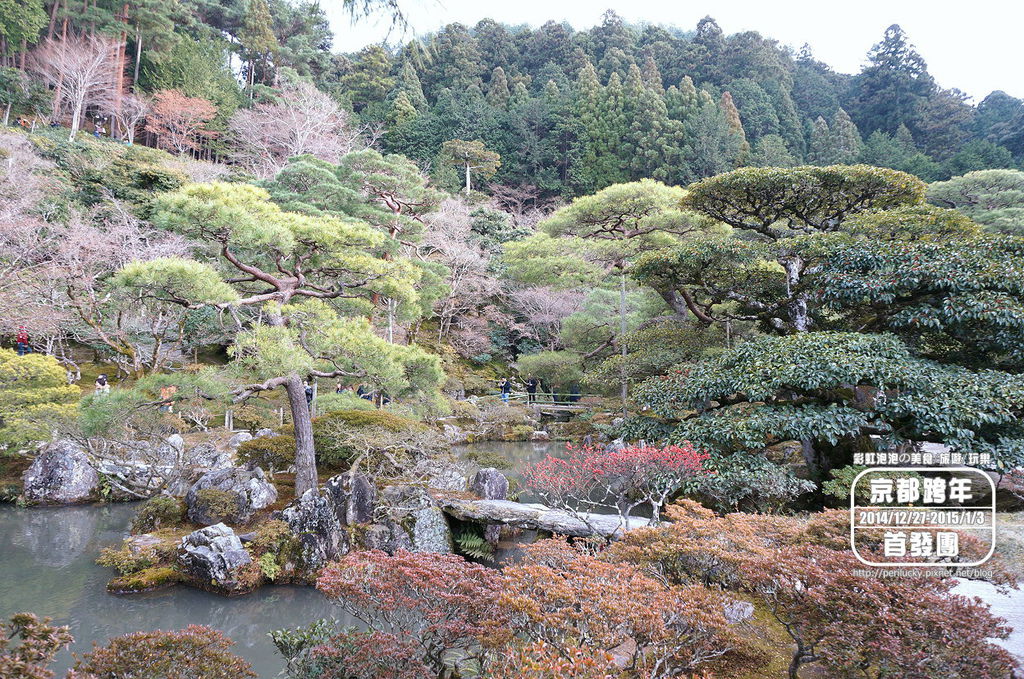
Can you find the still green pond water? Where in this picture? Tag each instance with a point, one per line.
(47, 561)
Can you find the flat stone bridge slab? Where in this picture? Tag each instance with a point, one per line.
(536, 517)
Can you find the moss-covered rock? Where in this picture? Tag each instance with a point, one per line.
(212, 505)
(273, 453)
(515, 432)
(146, 580)
(488, 458)
(157, 512)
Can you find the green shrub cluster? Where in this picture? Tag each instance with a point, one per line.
(125, 560)
(158, 512)
(367, 418)
(334, 433)
(345, 400)
(221, 504)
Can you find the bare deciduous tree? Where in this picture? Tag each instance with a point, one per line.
(80, 69)
(129, 113)
(449, 240)
(55, 284)
(304, 120)
(523, 203)
(545, 308)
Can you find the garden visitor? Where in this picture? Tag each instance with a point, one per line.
(531, 389)
(506, 389)
(167, 398)
(102, 385)
(21, 341)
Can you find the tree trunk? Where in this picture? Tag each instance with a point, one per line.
(798, 306)
(76, 118)
(7, 115)
(467, 179)
(138, 59)
(120, 58)
(622, 335)
(794, 667)
(305, 454)
(53, 19)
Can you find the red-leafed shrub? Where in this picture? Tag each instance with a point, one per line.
(594, 477)
(541, 661)
(851, 625)
(430, 603)
(561, 598)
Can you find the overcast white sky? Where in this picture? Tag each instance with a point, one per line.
(977, 46)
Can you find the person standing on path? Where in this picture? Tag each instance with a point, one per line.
(531, 389)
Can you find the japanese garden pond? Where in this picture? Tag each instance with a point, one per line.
(48, 567)
(47, 559)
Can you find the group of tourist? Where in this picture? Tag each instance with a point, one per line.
(533, 386)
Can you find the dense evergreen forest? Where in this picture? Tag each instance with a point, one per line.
(568, 112)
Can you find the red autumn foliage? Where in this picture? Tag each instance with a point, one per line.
(560, 598)
(433, 602)
(595, 477)
(806, 577)
(353, 654)
(873, 627)
(179, 121)
(559, 612)
(541, 661)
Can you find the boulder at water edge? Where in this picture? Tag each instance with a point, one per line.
(61, 475)
(353, 496)
(413, 509)
(212, 557)
(313, 519)
(233, 495)
(490, 484)
(320, 519)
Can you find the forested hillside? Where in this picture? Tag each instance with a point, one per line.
(567, 112)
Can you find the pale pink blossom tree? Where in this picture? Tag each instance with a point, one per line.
(448, 240)
(302, 120)
(545, 308)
